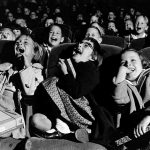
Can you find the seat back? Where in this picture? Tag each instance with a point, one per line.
(146, 52)
(137, 43)
(110, 50)
(114, 40)
(7, 53)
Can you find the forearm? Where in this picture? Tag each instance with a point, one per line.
(120, 95)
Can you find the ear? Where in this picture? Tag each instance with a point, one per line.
(62, 39)
(100, 40)
(147, 28)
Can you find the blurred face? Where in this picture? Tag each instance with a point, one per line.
(80, 17)
(59, 20)
(93, 19)
(93, 32)
(24, 46)
(33, 15)
(111, 16)
(129, 25)
(10, 17)
(55, 36)
(127, 16)
(7, 34)
(49, 22)
(140, 25)
(83, 51)
(133, 62)
(17, 32)
(26, 11)
(21, 22)
(111, 26)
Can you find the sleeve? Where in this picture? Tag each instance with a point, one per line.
(87, 77)
(120, 95)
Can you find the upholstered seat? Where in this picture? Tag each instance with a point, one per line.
(137, 43)
(7, 53)
(110, 50)
(114, 40)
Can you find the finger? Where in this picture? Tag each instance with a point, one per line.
(135, 133)
(141, 130)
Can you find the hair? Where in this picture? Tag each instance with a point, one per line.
(145, 18)
(145, 61)
(98, 53)
(94, 27)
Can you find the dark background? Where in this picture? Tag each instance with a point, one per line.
(142, 5)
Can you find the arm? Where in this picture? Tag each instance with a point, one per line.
(141, 127)
(120, 95)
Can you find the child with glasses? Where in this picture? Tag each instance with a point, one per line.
(74, 108)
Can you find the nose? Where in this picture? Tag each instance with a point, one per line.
(128, 64)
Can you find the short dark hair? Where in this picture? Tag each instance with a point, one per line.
(97, 50)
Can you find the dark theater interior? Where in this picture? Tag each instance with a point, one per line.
(74, 74)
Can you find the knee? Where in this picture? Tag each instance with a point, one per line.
(41, 122)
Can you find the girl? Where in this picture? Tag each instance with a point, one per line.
(132, 91)
(25, 68)
(68, 105)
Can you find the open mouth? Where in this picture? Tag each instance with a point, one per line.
(132, 69)
(54, 39)
(20, 50)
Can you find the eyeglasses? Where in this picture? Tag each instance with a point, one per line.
(84, 45)
(87, 44)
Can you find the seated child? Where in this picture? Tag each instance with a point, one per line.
(67, 105)
(22, 77)
(141, 27)
(132, 92)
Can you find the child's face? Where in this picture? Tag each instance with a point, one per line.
(132, 61)
(111, 16)
(59, 20)
(49, 22)
(21, 22)
(129, 25)
(111, 26)
(92, 32)
(83, 52)
(17, 32)
(55, 36)
(24, 46)
(7, 34)
(93, 19)
(140, 25)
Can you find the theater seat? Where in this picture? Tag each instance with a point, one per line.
(146, 52)
(137, 43)
(110, 50)
(114, 40)
(7, 53)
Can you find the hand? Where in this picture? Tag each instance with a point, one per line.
(63, 66)
(141, 128)
(121, 76)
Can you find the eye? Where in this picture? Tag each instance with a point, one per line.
(25, 42)
(123, 63)
(133, 60)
